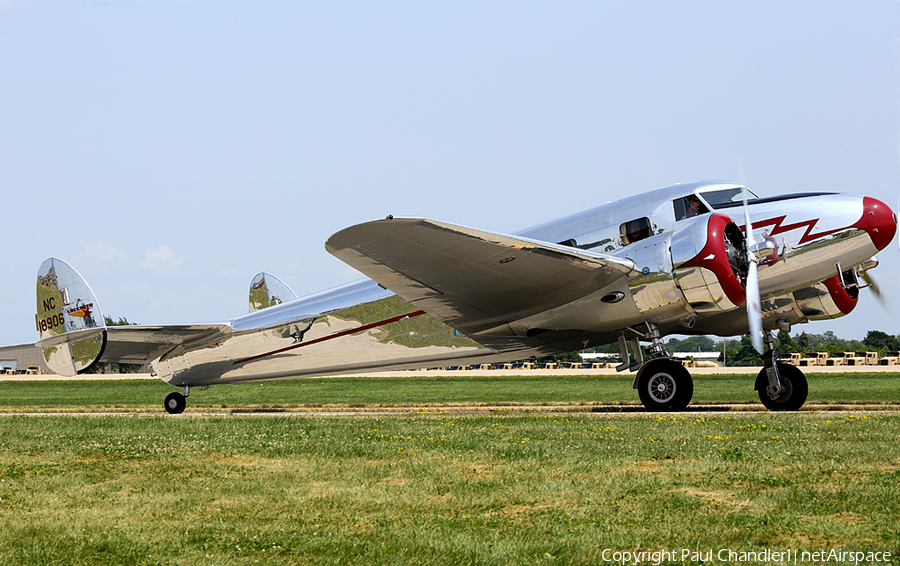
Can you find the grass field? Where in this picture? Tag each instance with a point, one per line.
(440, 488)
(434, 487)
(147, 395)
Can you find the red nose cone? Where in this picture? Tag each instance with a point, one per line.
(879, 221)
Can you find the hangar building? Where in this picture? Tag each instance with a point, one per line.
(22, 357)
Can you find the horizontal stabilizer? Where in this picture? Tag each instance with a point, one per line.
(73, 335)
(144, 344)
(471, 279)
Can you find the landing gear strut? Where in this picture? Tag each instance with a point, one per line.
(176, 402)
(781, 387)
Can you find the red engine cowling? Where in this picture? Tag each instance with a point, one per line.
(825, 300)
(699, 268)
(711, 264)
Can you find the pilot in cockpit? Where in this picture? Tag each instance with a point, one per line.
(688, 207)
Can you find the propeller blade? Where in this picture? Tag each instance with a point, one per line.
(754, 308)
(870, 282)
(754, 302)
(876, 290)
(748, 229)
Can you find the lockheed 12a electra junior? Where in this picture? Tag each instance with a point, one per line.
(679, 260)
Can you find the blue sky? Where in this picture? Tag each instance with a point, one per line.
(172, 150)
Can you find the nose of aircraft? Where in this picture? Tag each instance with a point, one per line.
(879, 221)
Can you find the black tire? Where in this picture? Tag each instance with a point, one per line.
(796, 389)
(665, 385)
(175, 403)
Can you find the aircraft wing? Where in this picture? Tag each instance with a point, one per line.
(143, 344)
(471, 279)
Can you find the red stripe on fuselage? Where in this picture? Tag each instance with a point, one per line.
(332, 336)
(780, 228)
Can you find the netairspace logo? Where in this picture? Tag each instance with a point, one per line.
(639, 557)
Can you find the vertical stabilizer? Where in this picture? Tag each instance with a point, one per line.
(266, 291)
(69, 321)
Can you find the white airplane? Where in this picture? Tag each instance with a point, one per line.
(674, 260)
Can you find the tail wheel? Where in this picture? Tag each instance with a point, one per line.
(795, 389)
(665, 385)
(175, 403)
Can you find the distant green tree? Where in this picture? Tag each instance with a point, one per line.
(121, 322)
(567, 357)
(611, 348)
(833, 344)
(786, 344)
(803, 342)
(745, 354)
(878, 340)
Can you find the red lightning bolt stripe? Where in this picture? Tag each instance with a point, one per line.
(780, 227)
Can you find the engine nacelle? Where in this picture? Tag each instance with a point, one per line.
(828, 299)
(699, 268)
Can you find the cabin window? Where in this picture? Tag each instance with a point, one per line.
(688, 207)
(635, 230)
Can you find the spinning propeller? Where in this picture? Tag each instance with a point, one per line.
(754, 303)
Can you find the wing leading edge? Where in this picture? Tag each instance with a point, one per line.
(473, 280)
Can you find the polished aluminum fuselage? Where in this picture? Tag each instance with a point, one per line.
(361, 327)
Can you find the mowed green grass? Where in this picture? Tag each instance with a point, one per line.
(416, 390)
(438, 488)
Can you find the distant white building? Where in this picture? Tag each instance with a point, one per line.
(699, 356)
(707, 356)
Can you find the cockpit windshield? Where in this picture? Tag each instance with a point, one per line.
(722, 198)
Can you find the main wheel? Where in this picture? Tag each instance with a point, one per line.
(795, 389)
(175, 403)
(664, 385)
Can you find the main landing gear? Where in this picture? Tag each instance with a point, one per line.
(176, 403)
(664, 384)
(781, 387)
